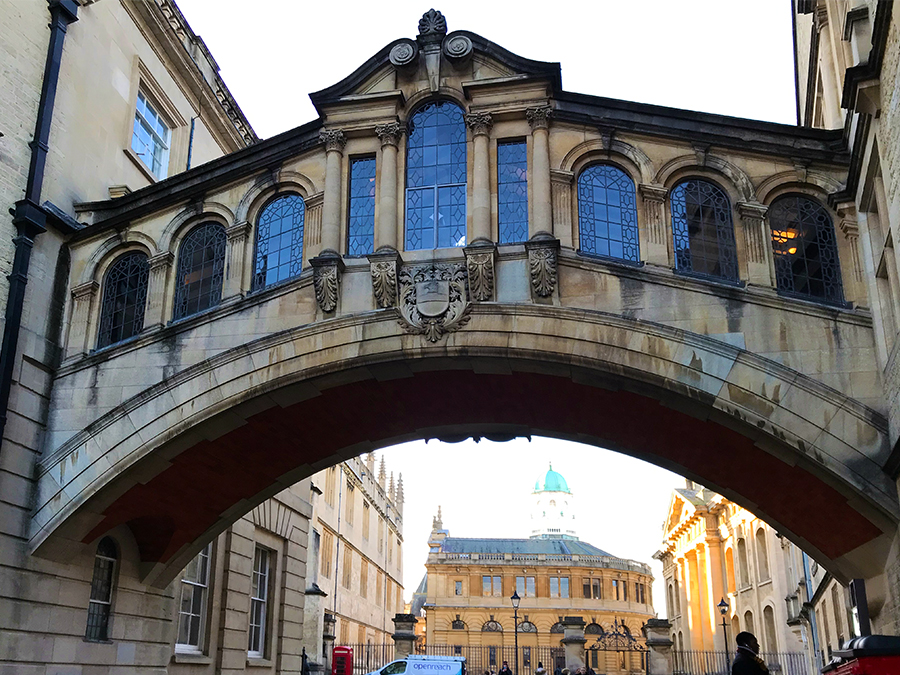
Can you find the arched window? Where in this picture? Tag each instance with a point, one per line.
(762, 555)
(201, 268)
(124, 299)
(557, 628)
(771, 637)
(743, 562)
(527, 627)
(702, 230)
(671, 601)
(491, 627)
(436, 178)
(805, 247)
(594, 628)
(607, 213)
(100, 604)
(279, 241)
(458, 624)
(748, 621)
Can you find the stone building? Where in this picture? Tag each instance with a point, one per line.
(468, 584)
(714, 550)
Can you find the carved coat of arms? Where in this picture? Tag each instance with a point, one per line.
(434, 299)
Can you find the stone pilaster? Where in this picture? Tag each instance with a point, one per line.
(854, 281)
(312, 226)
(334, 141)
(653, 199)
(561, 183)
(157, 287)
(83, 296)
(480, 123)
(388, 205)
(541, 221)
(573, 642)
(404, 635)
(659, 644)
(237, 236)
(758, 246)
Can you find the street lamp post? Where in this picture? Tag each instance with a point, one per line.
(723, 610)
(515, 603)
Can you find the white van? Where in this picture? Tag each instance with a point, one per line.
(424, 665)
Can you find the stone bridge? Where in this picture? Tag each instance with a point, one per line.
(255, 319)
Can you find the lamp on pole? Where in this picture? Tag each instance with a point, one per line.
(515, 603)
(723, 610)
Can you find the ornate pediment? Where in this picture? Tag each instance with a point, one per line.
(428, 61)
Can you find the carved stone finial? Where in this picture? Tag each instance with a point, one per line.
(432, 27)
(389, 133)
(539, 118)
(480, 123)
(333, 139)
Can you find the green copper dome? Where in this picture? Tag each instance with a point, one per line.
(553, 482)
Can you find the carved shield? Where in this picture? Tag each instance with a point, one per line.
(432, 297)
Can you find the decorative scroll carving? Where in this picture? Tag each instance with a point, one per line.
(404, 54)
(539, 118)
(480, 266)
(433, 299)
(326, 278)
(542, 260)
(480, 123)
(389, 133)
(457, 48)
(333, 139)
(432, 26)
(383, 266)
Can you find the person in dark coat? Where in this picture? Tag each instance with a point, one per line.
(747, 661)
(505, 669)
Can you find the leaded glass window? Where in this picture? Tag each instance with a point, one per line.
(436, 178)
(100, 604)
(512, 191)
(805, 247)
(201, 270)
(607, 213)
(361, 237)
(150, 137)
(192, 611)
(124, 299)
(279, 241)
(702, 230)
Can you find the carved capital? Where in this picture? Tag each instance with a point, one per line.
(327, 278)
(652, 193)
(560, 177)
(539, 118)
(161, 260)
(480, 267)
(752, 210)
(238, 231)
(333, 139)
(86, 290)
(383, 265)
(850, 228)
(480, 123)
(389, 133)
(542, 263)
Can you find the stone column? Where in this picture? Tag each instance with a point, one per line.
(157, 290)
(659, 644)
(854, 281)
(388, 204)
(760, 266)
(540, 224)
(653, 198)
(83, 297)
(573, 642)
(331, 208)
(237, 236)
(480, 123)
(404, 635)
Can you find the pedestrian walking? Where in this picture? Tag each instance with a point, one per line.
(747, 661)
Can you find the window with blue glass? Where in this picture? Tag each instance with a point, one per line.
(361, 237)
(607, 213)
(702, 230)
(805, 247)
(436, 178)
(512, 191)
(279, 241)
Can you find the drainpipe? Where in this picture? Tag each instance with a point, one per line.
(29, 217)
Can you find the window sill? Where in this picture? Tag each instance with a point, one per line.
(139, 163)
(731, 283)
(259, 662)
(195, 658)
(609, 259)
(765, 582)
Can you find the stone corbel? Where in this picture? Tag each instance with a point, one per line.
(159, 264)
(543, 255)
(480, 259)
(384, 265)
(83, 296)
(327, 270)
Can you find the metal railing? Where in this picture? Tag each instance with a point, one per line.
(716, 663)
(479, 659)
(369, 657)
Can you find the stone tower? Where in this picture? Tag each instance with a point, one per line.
(553, 508)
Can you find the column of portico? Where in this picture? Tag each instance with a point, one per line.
(157, 305)
(334, 141)
(760, 266)
(541, 223)
(480, 123)
(386, 233)
(715, 565)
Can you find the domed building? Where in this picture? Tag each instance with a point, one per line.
(465, 594)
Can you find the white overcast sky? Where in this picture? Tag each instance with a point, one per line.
(729, 57)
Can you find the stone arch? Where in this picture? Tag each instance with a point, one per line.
(424, 96)
(637, 164)
(115, 470)
(739, 182)
(810, 182)
(267, 186)
(191, 215)
(112, 248)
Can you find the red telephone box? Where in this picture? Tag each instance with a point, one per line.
(342, 661)
(869, 655)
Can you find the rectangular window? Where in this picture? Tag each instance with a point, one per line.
(365, 524)
(615, 585)
(348, 568)
(559, 587)
(389, 595)
(330, 480)
(525, 587)
(361, 635)
(399, 596)
(364, 578)
(457, 650)
(192, 611)
(491, 586)
(554, 587)
(100, 604)
(345, 632)
(597, 588)
(498, 587)
(492, 656)
(351, 503)
(586, 587)
(526, 657)
(259, 599)
(512, 191)
(327, 555)
(624, 586)
(361, 236)
(594, 657)
(380, 534)
(458, 587)
(150, 138)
